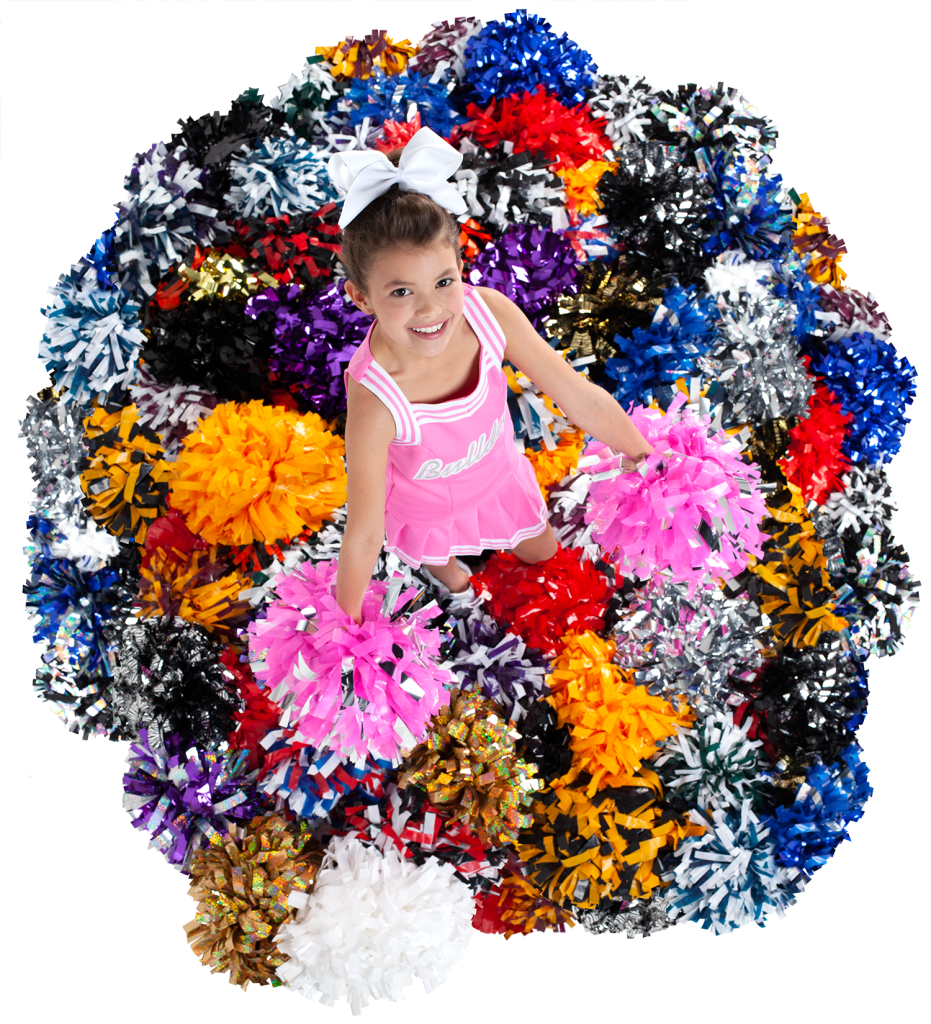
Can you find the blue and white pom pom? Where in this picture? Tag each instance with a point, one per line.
(92, 342)
(729, 877)
(284, 175)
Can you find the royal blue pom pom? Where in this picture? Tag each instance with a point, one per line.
(808, 832)
(873, 384)
(384, 97)
(681, 331)
(750, 210)
(520, 53)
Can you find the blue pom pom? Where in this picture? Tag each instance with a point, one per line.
(73, 609)
(384, 97)
(98, 265)
(873, 384)
(682, 330)
(749, 210)
(521, 52)
(808, 832)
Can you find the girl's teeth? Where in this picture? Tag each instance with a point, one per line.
(427, 330)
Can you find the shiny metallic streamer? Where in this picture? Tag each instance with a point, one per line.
(54, 434)
(657, 207)
(877, 592)
(693, 646)
(520, 52)
(169, 679)
(701, 120)
(756, 356)
(634, 918)
(172, 410)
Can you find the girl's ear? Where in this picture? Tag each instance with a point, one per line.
(357, 296)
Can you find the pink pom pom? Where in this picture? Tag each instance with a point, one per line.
(693, 509)
(358, 690)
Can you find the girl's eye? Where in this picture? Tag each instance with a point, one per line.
(444, 281)
(399, 292)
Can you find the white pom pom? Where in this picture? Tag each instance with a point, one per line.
(373, 923)
(89, 547)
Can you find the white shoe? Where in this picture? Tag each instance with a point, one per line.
(463, 599)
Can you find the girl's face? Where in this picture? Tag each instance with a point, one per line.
(417, 296)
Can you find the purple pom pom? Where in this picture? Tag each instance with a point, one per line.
(529, 264)
(316, 334)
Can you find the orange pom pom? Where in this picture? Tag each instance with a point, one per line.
(812, 235)
(615, 724)
(582, 183)
(551, 465)
(255, 472)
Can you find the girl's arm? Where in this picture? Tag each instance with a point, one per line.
(369, 430)
(584, 403)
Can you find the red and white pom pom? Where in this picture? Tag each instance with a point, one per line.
(691, 510)
(360, 690)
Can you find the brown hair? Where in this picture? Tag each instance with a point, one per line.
(395, 218)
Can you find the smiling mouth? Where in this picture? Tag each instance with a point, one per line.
(429, 331)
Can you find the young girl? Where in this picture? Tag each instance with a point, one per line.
(430, 451)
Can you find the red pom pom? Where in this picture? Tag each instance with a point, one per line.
(259, 714)
(814, 461)
(398, 133)
(545, 601)
(538, 122)
(170, 532)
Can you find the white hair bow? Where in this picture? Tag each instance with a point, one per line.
(425, 164)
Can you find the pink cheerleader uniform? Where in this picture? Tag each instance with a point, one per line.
(456, 482)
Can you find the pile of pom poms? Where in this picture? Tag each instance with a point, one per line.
(656, 725)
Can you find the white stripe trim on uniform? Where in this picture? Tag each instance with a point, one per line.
(382, 385)
(494, 544)
(491, 327)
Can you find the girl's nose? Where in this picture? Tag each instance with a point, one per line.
(428, 306)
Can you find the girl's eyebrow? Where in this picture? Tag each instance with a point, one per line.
(406, 284)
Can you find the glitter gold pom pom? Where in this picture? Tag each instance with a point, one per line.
(124, 475)
(470, 769)
(255, 472)
(242, 884)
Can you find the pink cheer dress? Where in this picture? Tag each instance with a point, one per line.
(456, 482)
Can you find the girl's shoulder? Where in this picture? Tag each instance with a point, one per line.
(367, 412)
(505, 312)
